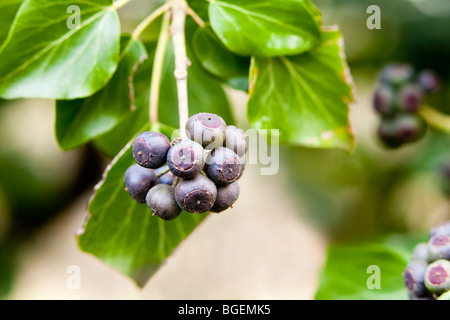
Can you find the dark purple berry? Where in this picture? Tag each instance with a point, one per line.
(223, 166)
(138, 181)
(442, 229)
(429, 81)
(161, 200)
(150, 149)
(410, 98)
(387, 133)
(439, 247)
(437, 276)
(384, 100)
(409, 127)
(186, 159)
(207, 129)
(196, 195)
(235, 140)
(226, 196)
(414, 276)
(396, 74)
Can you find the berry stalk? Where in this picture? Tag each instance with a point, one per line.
(179, 10)
(435, 118)
(158, 68)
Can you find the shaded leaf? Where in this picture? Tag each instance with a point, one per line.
(124, 233)
(216, 58)
(78, 121)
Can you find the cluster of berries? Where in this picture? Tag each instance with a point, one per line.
(427, 276)
(197, 174)
(397, 99)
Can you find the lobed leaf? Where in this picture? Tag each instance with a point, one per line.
(305, 97)
(81, 120)
(124, 233)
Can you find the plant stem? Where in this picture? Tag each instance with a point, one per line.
(179, 8)
(435, 118)
(149, 19)
(196, 17)
(166, 169)
(120, 3)
(158, 64)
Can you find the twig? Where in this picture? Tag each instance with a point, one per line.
(158, 64)
(435, 118)
(179, 8)
(120, 3)
(195, 16)
(149, 19)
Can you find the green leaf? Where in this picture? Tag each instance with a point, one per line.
(78, 121)
(216, 58)
(44, 58)
(8, 9)
(266, 28)
(305, 97)
(123, 233)
(347, 274)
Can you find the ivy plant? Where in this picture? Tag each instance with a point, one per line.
(109, 85)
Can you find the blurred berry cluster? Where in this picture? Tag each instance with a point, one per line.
(397, 99)
(427, 276)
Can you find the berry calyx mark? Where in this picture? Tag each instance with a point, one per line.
(144, 155)
(440, 240)
(198, 200)
(437, 275)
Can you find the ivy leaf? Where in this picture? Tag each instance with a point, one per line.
(346, 274)
(42, 57)
(78, 121)
(266, 28)
(306, 96)
(216, 58)
(124, 233)
(8, 10)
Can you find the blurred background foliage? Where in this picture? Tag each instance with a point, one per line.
(371, 192)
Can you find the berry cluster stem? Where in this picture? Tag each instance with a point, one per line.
(158, 64)
(435, 118)
(179, 11)
(120, 3)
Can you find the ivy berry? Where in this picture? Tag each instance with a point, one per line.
(150, 149)
(196, 195)
(138, 181)
(186, 159)
(207, 129)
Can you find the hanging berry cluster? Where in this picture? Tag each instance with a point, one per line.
(198, 174)
(397, 100)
